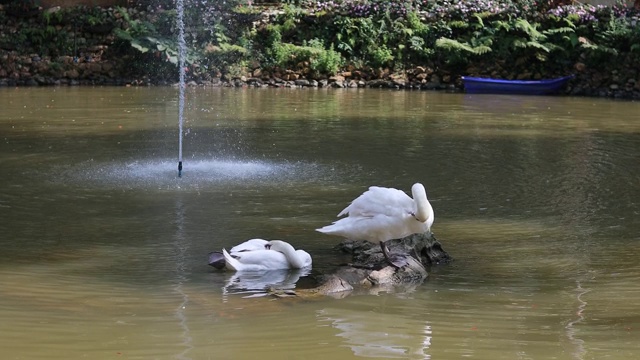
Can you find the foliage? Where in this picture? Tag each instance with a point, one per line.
(320, 60)
(324, 61)
(142, 36)
(323, 36)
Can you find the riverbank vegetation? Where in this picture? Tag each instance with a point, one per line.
(423, 43)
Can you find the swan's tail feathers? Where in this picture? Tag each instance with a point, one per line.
(216, 259)
(230, 262)
(329, 229)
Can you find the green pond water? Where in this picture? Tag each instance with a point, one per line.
(104, 248)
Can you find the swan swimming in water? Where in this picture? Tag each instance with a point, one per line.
(382, 214)
(262, 255)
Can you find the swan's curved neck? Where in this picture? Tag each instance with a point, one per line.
(424, 211)
(294, 259)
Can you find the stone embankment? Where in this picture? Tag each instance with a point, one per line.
(32, 70)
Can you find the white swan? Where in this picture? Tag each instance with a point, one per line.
(216, 258)
(273, 255)
(382, 214)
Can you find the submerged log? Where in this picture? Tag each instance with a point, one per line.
(405, 264)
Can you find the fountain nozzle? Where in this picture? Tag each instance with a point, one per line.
(179, 168)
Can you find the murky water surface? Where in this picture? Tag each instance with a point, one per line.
(104, 249)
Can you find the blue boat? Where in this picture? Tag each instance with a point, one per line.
(476, 85)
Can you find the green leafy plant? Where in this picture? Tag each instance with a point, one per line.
(140, 35)
(324, 61)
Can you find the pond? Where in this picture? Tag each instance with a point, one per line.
(104, 248)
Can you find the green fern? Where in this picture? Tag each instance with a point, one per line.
(530, 29)
(458, 24)
(562, 30)
(479, 18)
(599, 48)
(501, 25)
(454, 45)
(537, 45)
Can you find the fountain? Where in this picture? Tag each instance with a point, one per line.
(181, 55)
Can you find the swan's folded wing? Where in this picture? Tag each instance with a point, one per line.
(249, 245)
(267, 259)
(379, 200)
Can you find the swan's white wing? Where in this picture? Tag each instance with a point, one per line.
(372, 228)
(249, 245)
(262, 260)
(380, 200)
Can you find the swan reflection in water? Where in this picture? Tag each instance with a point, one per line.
(380, 335)
(257, 283)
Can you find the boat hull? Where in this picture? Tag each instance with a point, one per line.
(475, 85)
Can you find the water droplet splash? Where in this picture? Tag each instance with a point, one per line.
(202, 174)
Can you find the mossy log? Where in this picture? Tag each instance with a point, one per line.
(405, 264)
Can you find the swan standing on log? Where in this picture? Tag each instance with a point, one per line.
(263, 255)
(382, 214)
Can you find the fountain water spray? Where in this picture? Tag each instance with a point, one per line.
(182, 49)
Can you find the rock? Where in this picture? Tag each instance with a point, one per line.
(370, 269)
(378, 83)
(382, 73)
(398, 80)
(94, 67)
(421, 76)
(337, 78)
(71, 74)
(254, 81)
